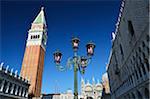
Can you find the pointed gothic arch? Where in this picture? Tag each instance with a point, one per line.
(139, 95)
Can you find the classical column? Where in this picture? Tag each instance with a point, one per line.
(132, 76)
(2, 85)
(147, 73)
(138, 74)
(20, 91)
(23, 94)
(135, 94)
(16, 91)
(26, 94)
(142, 73)
(7, 87)
(12, 88)
(143, 93)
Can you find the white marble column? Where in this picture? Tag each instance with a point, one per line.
(2, 85)
(7, 87)
(12, 88)
(20, 91)
(16, 91)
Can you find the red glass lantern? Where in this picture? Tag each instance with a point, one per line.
(57, 56)
(75, 43)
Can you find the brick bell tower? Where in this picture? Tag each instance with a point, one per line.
(33, 61)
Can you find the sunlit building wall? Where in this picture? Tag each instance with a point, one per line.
(128, 65)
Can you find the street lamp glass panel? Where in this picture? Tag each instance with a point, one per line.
(57, 56)
(75, 43)
(90, 49)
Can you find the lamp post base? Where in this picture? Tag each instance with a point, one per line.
(75, 95)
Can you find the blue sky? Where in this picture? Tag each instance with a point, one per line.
(89, 20)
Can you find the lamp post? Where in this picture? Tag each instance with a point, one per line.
(79, 63)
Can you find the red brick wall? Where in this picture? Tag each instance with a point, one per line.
(32, 67)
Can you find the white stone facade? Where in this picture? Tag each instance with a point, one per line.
(128, 66)
(67, 95)
(91, 90)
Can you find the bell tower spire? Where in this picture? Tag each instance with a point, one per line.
(33, 61)
(40, 19)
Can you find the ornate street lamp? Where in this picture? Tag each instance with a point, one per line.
(79, 63)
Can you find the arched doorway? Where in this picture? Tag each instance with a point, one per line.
(146, 93)
(128, 96)
(132, 96)
(89, 98)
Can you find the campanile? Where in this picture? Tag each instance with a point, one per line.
(33, 61)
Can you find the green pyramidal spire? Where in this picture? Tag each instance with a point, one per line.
(40, 19)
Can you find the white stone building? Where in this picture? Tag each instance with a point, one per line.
(91, 90)
(12, 85)
(128, 65)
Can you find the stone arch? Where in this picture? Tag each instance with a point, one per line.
(146, 93)
(128, 96)
(139, 95)
(133, 96)
(124, 97)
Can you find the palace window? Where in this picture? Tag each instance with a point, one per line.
(144, 71)
(147, 38)
(121, 51)
(143, 44)
(139, 49)
(130, 28)
(136, 74)
(147, 49)
(139, 71)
